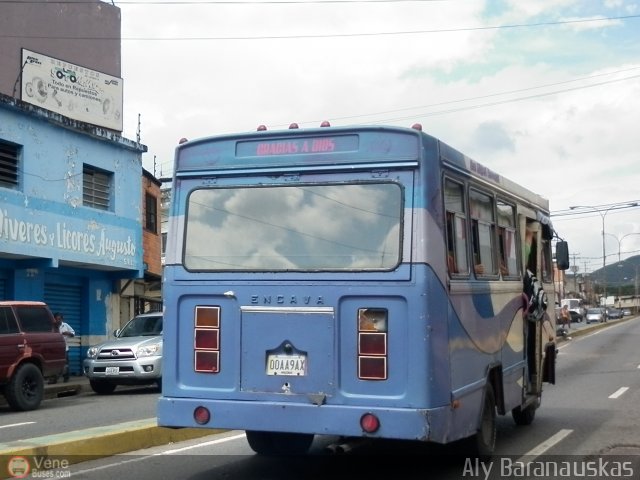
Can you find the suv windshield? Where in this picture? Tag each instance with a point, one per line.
(142, 327)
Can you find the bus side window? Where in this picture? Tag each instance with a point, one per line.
(531, 250)
(482, 233)
(507, 239)
(456, 228)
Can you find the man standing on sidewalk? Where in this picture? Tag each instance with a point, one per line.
(565, 317)
(67, 331)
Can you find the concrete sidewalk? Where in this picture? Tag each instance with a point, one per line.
(582, 328)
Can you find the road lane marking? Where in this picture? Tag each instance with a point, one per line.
(164, 452)
(618, 392)
(546, 445)
(16, 424)
(205, 444)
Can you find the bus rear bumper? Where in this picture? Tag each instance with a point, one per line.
(395, 423)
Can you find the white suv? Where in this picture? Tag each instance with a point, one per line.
(134, 357)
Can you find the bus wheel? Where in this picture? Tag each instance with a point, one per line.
(524, 416)
(279, 443)
(483, 443)
(102, 387)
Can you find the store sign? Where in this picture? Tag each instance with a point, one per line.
(71, 90)
(49, 235)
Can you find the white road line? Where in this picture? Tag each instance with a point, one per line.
(618, 392)
(546, 445)
(165, 452)
(16, 424)
(206, 444)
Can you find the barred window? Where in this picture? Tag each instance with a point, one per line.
(9, 154)
(96, 188)
(151, 213)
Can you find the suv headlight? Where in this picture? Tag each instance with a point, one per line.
(92, 352)
(149, 350)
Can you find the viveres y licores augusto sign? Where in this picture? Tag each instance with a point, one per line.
(69, 239)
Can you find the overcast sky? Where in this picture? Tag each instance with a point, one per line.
(544, 92)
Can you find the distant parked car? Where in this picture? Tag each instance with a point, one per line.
(595, 315)
(614, 313)
(626, 312)
(134, 357)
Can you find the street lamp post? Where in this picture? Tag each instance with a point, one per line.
(619, 240)
(603, 213)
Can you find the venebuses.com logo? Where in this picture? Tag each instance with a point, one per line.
(37, 467)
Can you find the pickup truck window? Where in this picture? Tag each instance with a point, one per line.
(7, 321)
(32, 319)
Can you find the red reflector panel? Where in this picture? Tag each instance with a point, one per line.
(206, 361)
(208, 317)
(372, 344)
(207, 339)
(372, 368)
(369, 423)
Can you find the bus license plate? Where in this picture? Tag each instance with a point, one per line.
(112, 370)
(295, 365)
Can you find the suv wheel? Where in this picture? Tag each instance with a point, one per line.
(102, 387)
(25, 390)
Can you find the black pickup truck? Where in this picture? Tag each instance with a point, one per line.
(31, 350)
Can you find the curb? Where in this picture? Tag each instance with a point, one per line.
(577, 332)
(82, 445)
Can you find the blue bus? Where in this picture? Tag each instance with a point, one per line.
(364, 282)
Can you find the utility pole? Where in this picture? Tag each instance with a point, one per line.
(574, 269)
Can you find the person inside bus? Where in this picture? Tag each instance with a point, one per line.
(530, 250)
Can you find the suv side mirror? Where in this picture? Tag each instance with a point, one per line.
(562, 255)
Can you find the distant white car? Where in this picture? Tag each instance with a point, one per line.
(594, 315)
(134, 357)
(626, 312)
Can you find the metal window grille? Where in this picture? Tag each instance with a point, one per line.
(96, 188)
(9, 164)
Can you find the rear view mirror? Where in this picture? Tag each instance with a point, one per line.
(562, 255)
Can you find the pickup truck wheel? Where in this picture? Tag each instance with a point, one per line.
(102, 387)
(25, 390)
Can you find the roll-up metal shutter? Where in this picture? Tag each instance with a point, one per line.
(67, 299)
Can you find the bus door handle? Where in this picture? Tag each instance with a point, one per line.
(230, 294)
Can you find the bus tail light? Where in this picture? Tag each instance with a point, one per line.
(206, 339)
(372, 343)
(201, 415)
(369, 423)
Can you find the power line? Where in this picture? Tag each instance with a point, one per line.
(331, 35)
(479, 97)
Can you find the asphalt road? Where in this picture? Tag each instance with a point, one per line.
(589, 411)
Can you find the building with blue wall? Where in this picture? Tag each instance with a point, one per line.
(70, 217)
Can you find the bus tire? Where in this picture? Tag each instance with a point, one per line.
(524, 416)
(25, 390)
(279, 443)
(102, 387)
(483, 443)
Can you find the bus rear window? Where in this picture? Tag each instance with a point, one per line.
(294, 228)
